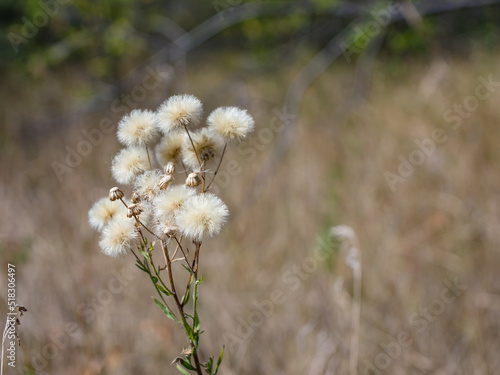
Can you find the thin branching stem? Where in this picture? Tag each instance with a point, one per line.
(184, 167)
(177, 248)
(183, 253)
(184, 301)
(136, 257)
(141, 223)
(192, 144)
(195, 274)
(218, 167)
(149, 159)
(180, 308)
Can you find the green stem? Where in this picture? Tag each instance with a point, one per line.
(181, 309)
(195, 274)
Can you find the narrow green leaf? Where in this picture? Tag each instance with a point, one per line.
(189, 331)
(219, 361)
(198, 282)
(164, 290)
(182, 370)
(144, 254)
(210, 365)
(187, 269)
(195, 298)
(166, 310)
(155, 279)
(196, 322)
(141, 267)
(186, 296)
(188, 365)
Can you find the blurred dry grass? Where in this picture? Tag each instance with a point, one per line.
(441, 223)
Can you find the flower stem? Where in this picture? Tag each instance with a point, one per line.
(180, 308)
(217, 170)
(149, 159)
(192, 144)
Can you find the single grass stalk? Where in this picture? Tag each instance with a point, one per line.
(354, 261)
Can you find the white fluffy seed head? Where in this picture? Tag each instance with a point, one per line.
(178, 111)
(138, 128)
(147, 213)
(146, 184)
(118, 237)
(202, 216)
(231, 123)
(103, 211)
(169, 149)
(208, 145)
(168, 203)
(128, 164)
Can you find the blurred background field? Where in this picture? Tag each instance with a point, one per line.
(322, 164)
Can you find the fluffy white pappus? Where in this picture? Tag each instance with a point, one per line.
(202, 216)
(169, 149)
(231, 123)
(146, 216)
(129, 163)
(138, 128)
(103, 211)
(178, 111)
(118, 237)
(208, 145)
(146, 184)
(168, 202)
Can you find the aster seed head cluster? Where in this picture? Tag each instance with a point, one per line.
(178, 146)
(167, 168)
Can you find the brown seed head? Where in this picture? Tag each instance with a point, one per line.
(170, 168)
(170, 230)
(193, 179)
(134, 210)
(115, 193)
(165, 181)
(136, 198)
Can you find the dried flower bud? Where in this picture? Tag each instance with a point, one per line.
(136, 198)
(193, 179)
(165, 181)
(170, 230)
(115, 193)
(170, 168)
(134, 210)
